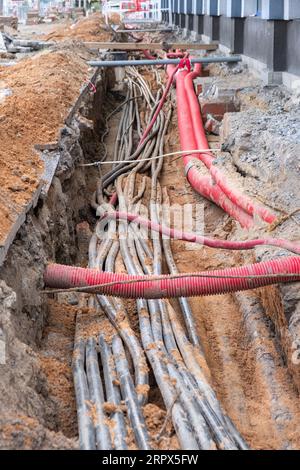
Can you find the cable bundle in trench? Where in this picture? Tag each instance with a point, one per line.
(102, 366)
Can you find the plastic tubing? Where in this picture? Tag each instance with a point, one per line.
(87, 438)
(143, 62)
(241, 200)
(160, 105)
(102, 433)
(201, 184)
(201, 240)
(129, 394)
(286, 269)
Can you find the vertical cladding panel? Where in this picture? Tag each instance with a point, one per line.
(291, 9)
(231, 34)
(234, 8)
(222, 7)
(200, 7)
(194, 7)
(226, 32)
(189, 7)
(181, 6)
(279, 59)
(238, 46)
(207, 25)
(206, 7)
(258, 39)
(293, 47)
(182, 20)
(216, 28)
(211, 27)
(266, 41)
(272, 9)
(197, 7)
(198, 24)
(249, 7)
(214, 7)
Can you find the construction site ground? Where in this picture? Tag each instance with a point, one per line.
(249, 339)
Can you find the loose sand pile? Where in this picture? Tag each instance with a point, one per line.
(35, 96)
(114, 18)
(89, 29)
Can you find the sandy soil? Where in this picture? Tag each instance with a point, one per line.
(92, 28)
(41, 91)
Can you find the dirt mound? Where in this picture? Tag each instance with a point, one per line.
(35, 96)
(115, 18)
(90, 29)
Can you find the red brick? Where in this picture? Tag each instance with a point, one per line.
(216, 108)
(198, 89)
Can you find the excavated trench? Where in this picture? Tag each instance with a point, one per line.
(41, 330)
(247, 359)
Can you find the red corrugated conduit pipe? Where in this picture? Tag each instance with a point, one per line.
(192, 237)
(182, 285)
(239, 199)
(201, 184)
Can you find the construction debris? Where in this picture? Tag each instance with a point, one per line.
(33, 17)
(2, 44)
(10, 21)
(110, 178)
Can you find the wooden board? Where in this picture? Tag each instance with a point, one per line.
(133, 46)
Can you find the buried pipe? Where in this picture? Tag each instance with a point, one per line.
(160, 105)
(102, 433)
(129, 395)
(143, 62)
(286, 269)
(113, 394)
(87, 438)
(201, 240)
(239, 199)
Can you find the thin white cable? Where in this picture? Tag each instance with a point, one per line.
(180, 152)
